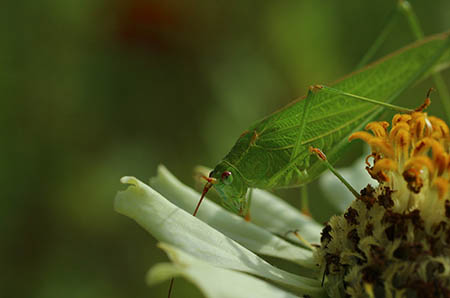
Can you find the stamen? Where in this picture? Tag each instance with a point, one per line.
(369, 156)
(400, 118)
(385, 164)
(439, 125)
(379, 129)
(382, 146)
(427, 143)
(413, 180)
(442, 186)
(441, 161)
(402, 140)
(365, 136)
(418, 162)
(398, 127)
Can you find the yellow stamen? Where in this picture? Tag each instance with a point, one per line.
(427, 143)
(440, 126)
(398, 127)
(400, 118)
(442, 186)
(402, 140)
(383, 146)
(381, 165)
(418, 162)
(379, 129)
(365, 136)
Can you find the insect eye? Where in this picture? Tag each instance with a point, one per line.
(227, 178)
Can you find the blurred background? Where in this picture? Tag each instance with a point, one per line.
(95, 90)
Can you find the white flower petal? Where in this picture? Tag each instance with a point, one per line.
(170, 224)
(248, 234)
(214, 282)
(274, 214)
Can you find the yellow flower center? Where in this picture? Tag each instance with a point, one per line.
(414, 154)
(394, 240)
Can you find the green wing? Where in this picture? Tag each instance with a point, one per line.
(275, 151)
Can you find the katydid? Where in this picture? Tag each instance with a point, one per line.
(274, 152)
(269, 155)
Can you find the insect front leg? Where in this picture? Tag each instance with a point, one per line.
(245, 205)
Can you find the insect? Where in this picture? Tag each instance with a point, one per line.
(274, 152)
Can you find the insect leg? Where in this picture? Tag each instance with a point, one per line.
(304, 200)
(321, 156)
(297, 153)
(245, 208)
(298, 143)
(365, 99)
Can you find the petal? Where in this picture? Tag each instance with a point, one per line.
(248, 234)
(274, 214)
(170, 224)
(214, 282)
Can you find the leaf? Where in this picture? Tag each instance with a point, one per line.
(170, 224)
(247, 234)
(331, 117)
(214, 282)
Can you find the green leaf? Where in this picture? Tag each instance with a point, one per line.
(214, 282)
(170, 224)
(329, 118)
(247, 234)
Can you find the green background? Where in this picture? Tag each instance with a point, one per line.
(95, 90)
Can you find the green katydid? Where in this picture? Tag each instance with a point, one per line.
(274, 152)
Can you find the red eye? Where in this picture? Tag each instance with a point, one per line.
(226, 177)
(226, 174)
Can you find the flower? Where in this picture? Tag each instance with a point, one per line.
(220, 246)
(392, 241)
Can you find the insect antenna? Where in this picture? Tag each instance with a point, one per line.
(208, 185)
(426, 103)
